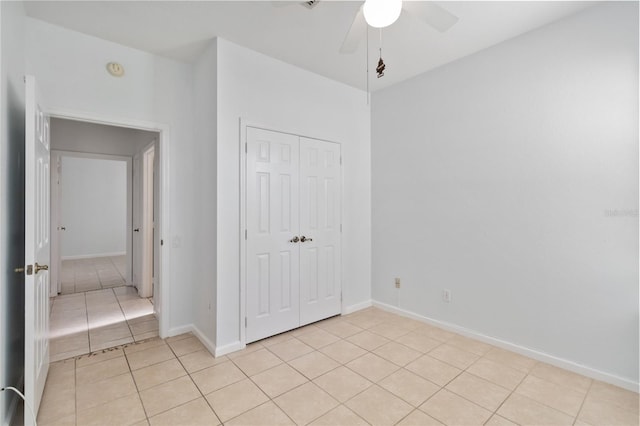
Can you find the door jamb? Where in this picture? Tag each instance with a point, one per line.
(161, 303)
(243, 220)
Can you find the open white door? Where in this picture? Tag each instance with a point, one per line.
(146, 280)
(137, 220)
(36, 354)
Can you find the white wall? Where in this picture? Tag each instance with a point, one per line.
(494, 176)
(93, 208)
(12, 65)
(70, 68)
(205, 94)
(271, 93)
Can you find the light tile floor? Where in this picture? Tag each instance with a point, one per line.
(371, 367)
(92, 274)
(82, 323)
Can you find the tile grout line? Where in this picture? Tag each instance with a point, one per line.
(583, 401)
(193, 381)
(135, 383)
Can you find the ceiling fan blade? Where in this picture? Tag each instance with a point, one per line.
(431, 14)
(355, 34)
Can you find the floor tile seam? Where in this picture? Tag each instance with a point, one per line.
(401, 398)
(575, 416)
(190, 374)
(374, 382)
(410, 413)
(123, 314)
(279, 357)
(86, 308)
(75, 390)
(475, 403)
(392, 339)
(264, 403)
(169, 409)
(453, 365)
(183, 404)
(116, 268)
(296, 387)
(526, 371)
(310, 379)
(508, 397)
(148, 365)
(584, 399)
(229, 385)
(561, 385)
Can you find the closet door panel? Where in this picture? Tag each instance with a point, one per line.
(320, 176)
(272, 274)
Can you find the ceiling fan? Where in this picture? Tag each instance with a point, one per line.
(382, 13)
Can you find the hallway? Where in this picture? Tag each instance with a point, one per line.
(81, 275)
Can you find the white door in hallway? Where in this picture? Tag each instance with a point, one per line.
(37, 160)
(273, 298)
(292, 232)
(320, 175)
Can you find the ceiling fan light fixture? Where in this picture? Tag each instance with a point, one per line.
(381, 13)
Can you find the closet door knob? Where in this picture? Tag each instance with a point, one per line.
(295, 239)
(303, 239)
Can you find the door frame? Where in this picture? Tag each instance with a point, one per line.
(161, 296)
(243, 218)
(56, 204)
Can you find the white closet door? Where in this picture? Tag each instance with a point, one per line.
(272, 264)
(320, 225)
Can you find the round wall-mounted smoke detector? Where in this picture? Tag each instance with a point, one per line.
(115, 69)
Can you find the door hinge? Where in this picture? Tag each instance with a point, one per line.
(245, 322)
(161, 242)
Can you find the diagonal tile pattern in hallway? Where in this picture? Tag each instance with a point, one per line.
(370, 367)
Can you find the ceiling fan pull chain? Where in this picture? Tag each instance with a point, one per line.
(381, 66)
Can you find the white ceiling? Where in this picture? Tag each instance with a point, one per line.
(306, 38)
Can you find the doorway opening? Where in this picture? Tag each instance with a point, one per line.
(103, 191)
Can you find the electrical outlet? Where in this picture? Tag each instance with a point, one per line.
(397, 282)
(446, 295)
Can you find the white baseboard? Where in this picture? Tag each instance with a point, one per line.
(90, 256)
(211, 347)
(231, 347)
(176, 331)
(531, 353)
(357, 307)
